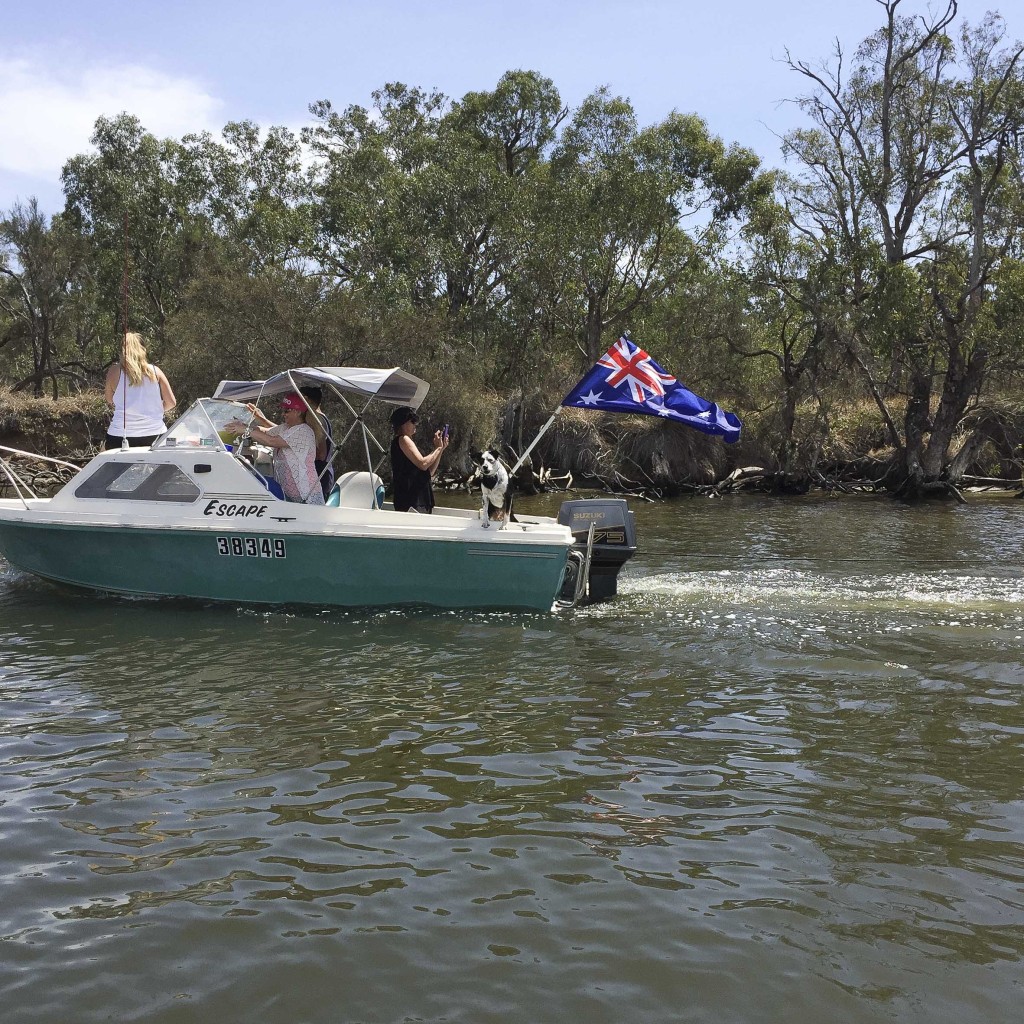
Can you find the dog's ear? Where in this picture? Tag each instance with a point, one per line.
(476, 456)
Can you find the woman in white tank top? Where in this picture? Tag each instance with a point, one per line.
(139, 394)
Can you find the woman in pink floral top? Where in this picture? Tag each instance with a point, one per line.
(294, 442)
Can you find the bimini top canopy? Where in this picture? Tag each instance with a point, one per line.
(393, 386)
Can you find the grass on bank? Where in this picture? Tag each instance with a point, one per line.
(68, 427)
(616, 450)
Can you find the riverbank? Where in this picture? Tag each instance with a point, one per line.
(70, 428)
(633, 455)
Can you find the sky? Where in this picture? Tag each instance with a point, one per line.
(185, 66)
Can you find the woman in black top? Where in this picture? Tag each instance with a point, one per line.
(412, 472)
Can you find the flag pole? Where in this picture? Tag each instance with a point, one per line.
(533, 444)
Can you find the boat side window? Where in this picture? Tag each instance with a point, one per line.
(131, 478)
(139, 481)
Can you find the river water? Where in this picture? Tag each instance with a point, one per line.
(778, 779)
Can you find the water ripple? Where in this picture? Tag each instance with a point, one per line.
(758, 793)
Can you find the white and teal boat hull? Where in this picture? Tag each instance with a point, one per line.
(290, 567)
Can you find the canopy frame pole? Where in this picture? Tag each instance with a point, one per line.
(533, 444)
(368, 433)
(358, 421)
(366, 445)
(352, 412)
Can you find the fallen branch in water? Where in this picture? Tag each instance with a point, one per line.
(737, 476)
(987, 482)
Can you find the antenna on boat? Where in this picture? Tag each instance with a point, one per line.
(124, 342)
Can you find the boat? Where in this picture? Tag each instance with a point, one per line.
(195, 516)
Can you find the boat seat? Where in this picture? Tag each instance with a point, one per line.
(357, 490)
(271, 484)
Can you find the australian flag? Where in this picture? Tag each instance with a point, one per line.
(627, 379)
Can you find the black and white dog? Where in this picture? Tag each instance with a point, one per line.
(493, 479)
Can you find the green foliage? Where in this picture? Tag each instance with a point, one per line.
(136, 202)
(496, 244)
(47, 313)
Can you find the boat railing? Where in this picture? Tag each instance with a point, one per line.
(15, 481)
(40, 458)
(21, 487)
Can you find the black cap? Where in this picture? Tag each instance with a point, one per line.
(401, 416)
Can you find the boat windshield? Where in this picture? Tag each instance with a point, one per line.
(202, 426)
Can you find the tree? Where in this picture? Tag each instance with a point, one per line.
(904, 179)
(148, 189)
(789, 323)
(262, 322)
(42, 277)
(369, 231)
(425, 200)
(617, 202)
(253, 188)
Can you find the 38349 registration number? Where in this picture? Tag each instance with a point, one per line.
(252, 547)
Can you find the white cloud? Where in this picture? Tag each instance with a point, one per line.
(47, 113)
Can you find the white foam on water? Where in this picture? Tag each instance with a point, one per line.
(780, 588)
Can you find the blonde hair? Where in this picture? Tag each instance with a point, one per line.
(312, 418)
(133, 360)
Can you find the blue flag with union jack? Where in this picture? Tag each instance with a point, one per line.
(627, 379)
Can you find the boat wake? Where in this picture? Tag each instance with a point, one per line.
(780, 589)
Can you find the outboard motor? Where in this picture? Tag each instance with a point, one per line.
(614, 543)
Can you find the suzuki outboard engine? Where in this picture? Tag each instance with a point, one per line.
(614, 544)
